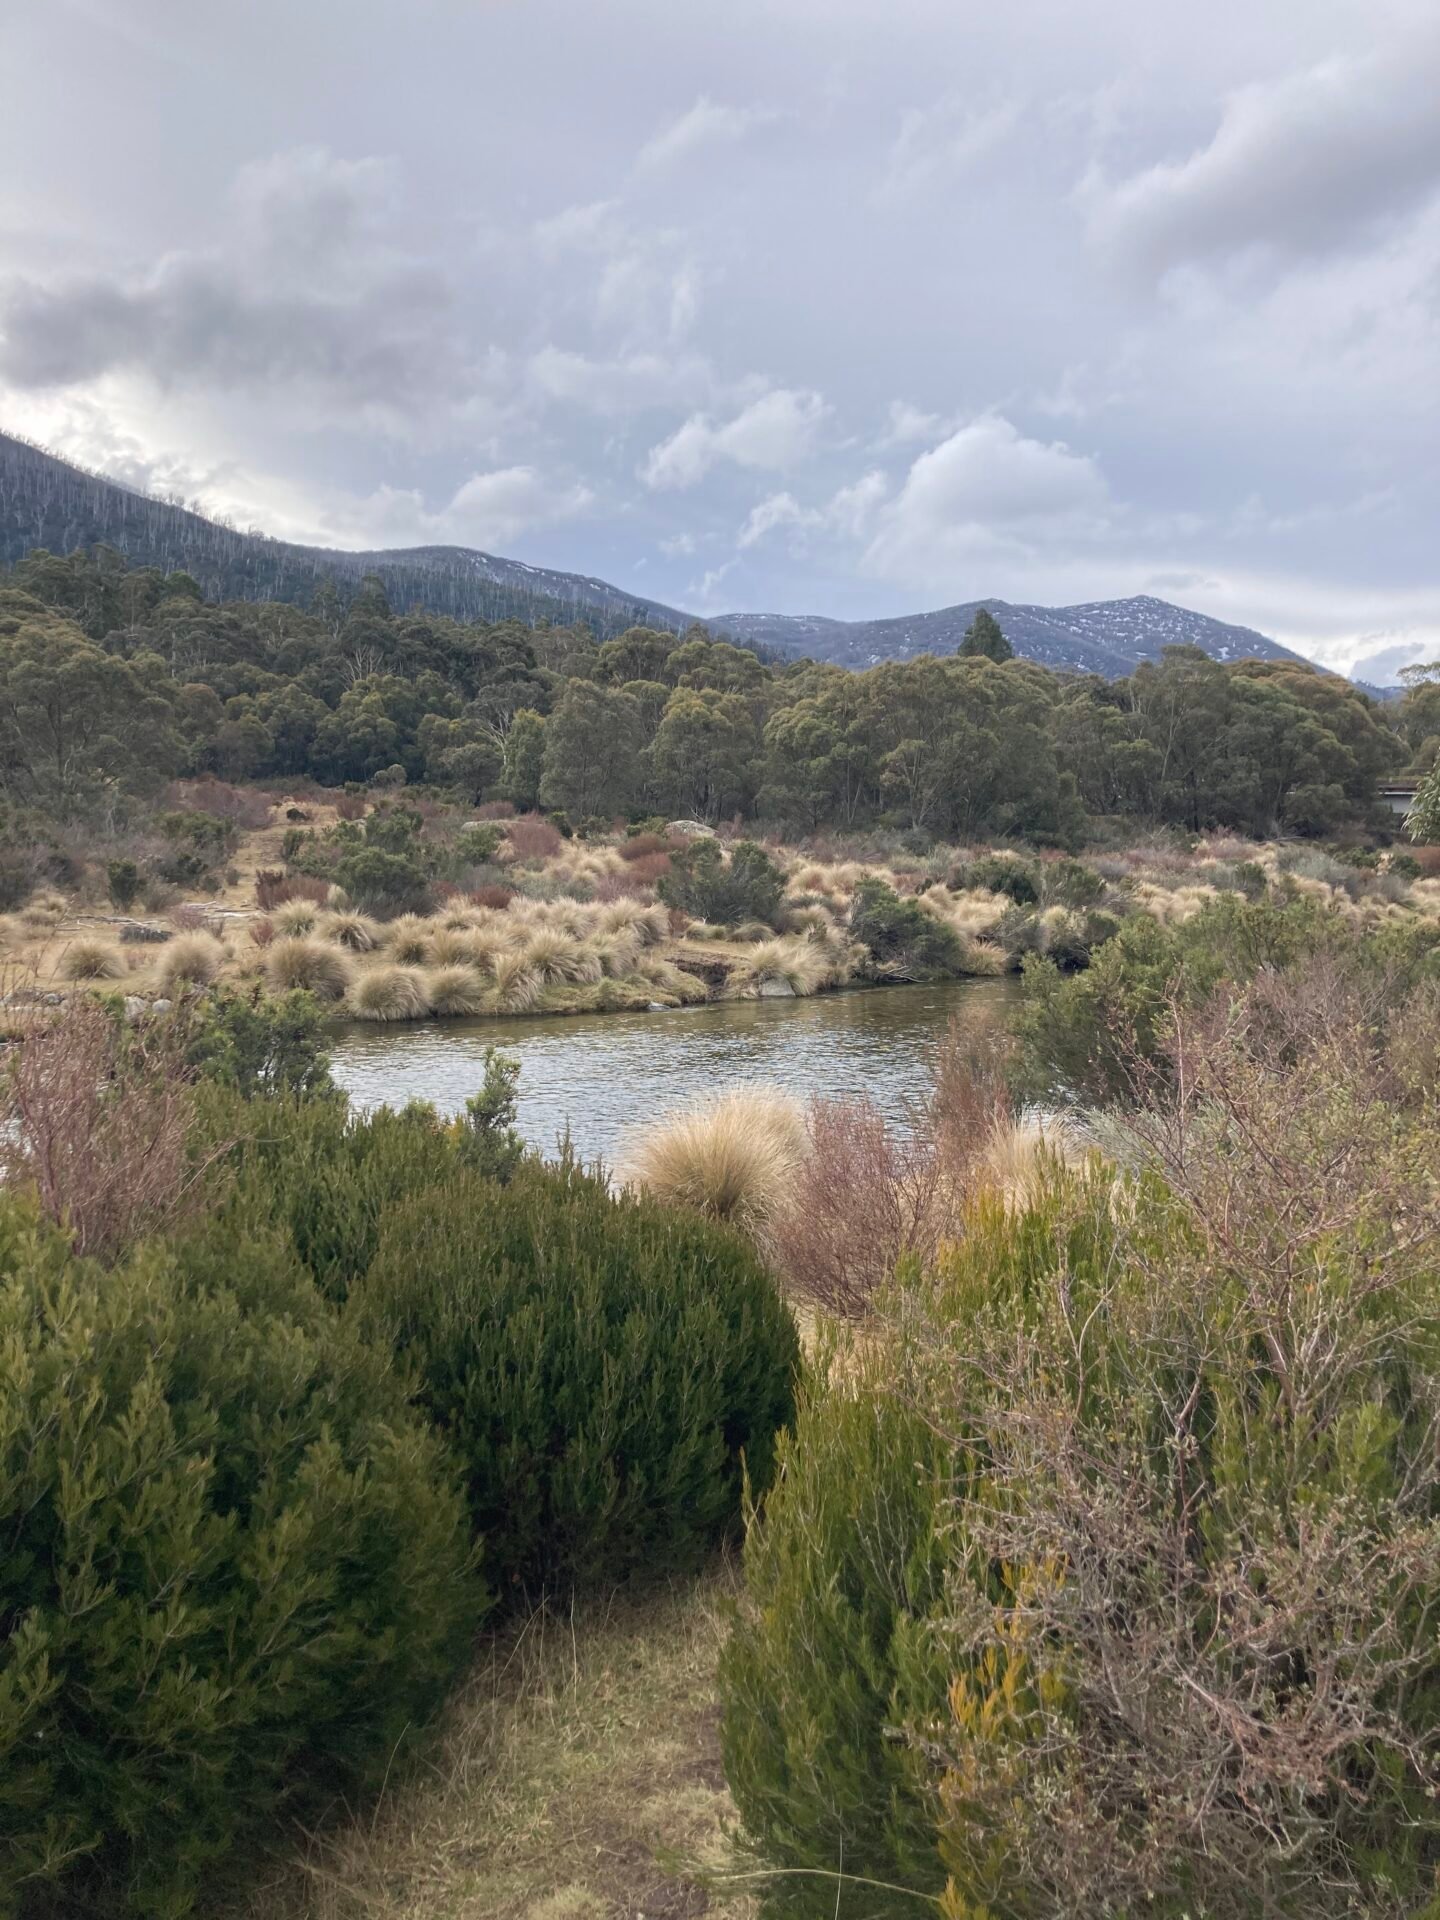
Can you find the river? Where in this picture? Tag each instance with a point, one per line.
(605, 1075)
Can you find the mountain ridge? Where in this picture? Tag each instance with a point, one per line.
(49, 502)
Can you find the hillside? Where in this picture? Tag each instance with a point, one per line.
(46, 502)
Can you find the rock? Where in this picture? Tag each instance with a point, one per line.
(135, 1007)
(692, 828)
(657, 1006)
(161, 1006)
(776, 990)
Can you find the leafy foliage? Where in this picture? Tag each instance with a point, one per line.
(236, 1567)
(903, 941)
(747, 886)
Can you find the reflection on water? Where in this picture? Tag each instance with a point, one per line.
(603, 1075)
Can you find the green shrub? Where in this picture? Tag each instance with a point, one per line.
(1106, 1584)
(478, 843)
(844, 1578)
(258, 1043)
(1069, 883)
(378, 881)
(235, 1571)
(747, 886)
(124, 881)
(605, 1369)
(1017, 879)
(903, 941)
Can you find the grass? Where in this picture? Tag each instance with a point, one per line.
(91, 960)
(583, 1746)
(457, 993)
(389, 993)
(356, 931)
(191, 960)
(732, 1157)
(315, 965)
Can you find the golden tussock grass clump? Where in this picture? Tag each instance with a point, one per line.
(409, 941)
(617, 953)
(389, 992)
(558, 956)
(1021, 1156)
(192, 960)
(734, 1157)
(1172, 907)
(801, 965)
(980, 961)
(460, 919)
(449, 945)
(313, 966)
(42, 911)
(518, 987)
(457, 993)
(666, 981)
(356, 932)
(974, 913)
(86, 959)
(296, 917)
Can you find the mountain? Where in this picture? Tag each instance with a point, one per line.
(47, 502)
(1109, 637)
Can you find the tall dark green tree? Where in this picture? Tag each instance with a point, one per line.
(983, 636)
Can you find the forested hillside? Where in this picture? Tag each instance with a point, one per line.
(115, 680)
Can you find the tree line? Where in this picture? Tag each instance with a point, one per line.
(115, 679)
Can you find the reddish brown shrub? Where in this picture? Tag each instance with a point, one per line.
(273, 888)
(241, 806)
(495, 810)
(95, 1120)
(350, 806)
(262, 932)
(640, 845)
(532, 838)
(491, 896)
(1427, 859)
(865, 1196)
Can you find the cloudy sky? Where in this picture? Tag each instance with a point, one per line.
(838, 306)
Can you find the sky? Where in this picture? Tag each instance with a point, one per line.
(850, 307)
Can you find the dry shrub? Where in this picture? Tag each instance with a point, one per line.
(91, 960)
(95, 1119)
(495, 810)
(863, 1196)
(641, 846)
(531, 838)
(735, 1157)
(496, 898)
(262, 932)
(241, 806)
(193, 960)
(274, 888)
(350, 806)
(313, 966)
(188, 918)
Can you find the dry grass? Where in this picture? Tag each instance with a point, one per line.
(804, 966)
(91, 960)
(582, 1747)
(457, 993)
(313, 965)
(734, 1157)
(297, 917)
(389, 993)
(355, 931)
(192, 960)
(410, 940)
(518, 986)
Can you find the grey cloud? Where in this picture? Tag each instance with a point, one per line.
(1315, 160)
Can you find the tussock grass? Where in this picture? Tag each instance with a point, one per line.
(457, 993)
(410, 940)
(734, 1157)
(518, 986)
(799, 964)
(297, 917)
(192, 960)
(43, 910)
(557, 956)
(86, 959)
(389, 992)
(355, 931)
(313, 965)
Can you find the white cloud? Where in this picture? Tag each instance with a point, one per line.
(848, 513)
(907, 425)
(487, 510)
(984, 490)
(705, 124)
(938, 142)
(1302, 165)
(773, 433)
(678, 543)
(705, 588)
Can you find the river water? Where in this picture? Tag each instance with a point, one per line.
(605, 1075)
